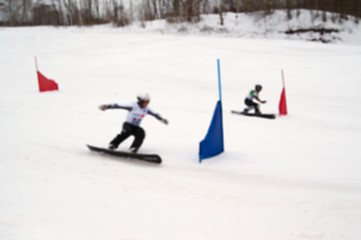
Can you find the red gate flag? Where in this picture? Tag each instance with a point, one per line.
(45, 84)
(283, 104)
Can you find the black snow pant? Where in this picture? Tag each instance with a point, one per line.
(251, 105)
(128, 130)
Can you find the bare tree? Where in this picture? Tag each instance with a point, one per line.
(17, 12)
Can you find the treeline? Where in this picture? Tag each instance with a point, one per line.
(63, 12)
(124, 12)
(350, 7)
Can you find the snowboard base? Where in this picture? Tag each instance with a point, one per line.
(261, 115)
(153, 158)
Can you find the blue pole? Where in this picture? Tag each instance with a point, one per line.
(219, 80)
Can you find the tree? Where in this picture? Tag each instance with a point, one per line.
(17, 12)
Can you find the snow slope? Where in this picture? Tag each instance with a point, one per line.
(296, 177)
(305, 24)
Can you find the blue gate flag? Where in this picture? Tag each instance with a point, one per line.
(213, 142)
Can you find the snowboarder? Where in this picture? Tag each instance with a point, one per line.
(253, 94)
(131, 126)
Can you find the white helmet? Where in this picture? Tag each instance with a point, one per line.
(143, 97)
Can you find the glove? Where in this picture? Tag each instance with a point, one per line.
(165, 121)
(103, 107)
(264, 101)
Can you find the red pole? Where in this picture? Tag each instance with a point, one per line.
(36, 63)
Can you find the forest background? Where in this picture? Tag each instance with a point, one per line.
(125, 12)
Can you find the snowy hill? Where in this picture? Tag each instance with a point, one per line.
(303, 25)
(295, 178)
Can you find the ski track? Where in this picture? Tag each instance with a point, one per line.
(296, 177)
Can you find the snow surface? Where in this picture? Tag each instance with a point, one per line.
(295, 178)
(259, 25)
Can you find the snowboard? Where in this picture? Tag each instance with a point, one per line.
(261, 115)
(153, 158)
